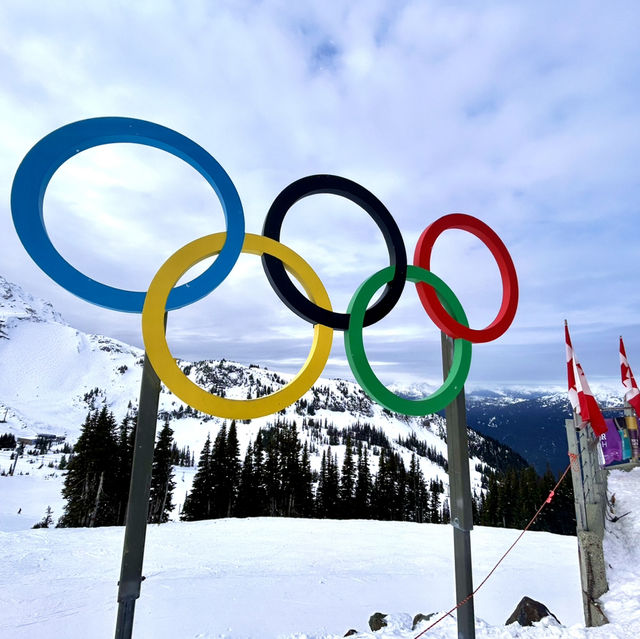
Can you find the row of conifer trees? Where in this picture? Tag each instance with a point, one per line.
(275, 478)
(513, 497)
(96, 486)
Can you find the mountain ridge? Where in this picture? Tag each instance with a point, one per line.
(52, 374)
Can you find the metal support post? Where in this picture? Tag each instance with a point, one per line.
(460, 498)
(138, 506)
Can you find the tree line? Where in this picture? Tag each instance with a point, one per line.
(513, 497)
(7, 440)
(96, 486)
(275, 479)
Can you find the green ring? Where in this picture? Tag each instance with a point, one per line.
(354, 346)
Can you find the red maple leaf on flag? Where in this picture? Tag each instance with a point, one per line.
(580, 395)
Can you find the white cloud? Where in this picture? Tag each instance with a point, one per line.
(523, 115)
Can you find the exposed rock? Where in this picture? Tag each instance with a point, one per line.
(350, 633)
(419, 618)
(377, 621)
(528, 611)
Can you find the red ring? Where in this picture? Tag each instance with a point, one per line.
(429, 298)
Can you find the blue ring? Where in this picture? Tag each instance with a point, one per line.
(44, 159)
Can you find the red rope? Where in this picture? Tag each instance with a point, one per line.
(468, 597)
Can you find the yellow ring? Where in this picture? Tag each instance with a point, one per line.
(155, 341)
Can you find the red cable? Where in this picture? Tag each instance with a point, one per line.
(464, 601)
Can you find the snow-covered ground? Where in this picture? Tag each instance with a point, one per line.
(294, 578)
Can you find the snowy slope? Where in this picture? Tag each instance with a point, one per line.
(46, 367)
(49, 373)
(307, 579)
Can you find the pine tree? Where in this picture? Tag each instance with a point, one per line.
(434, 516)
(332, 487)
(198, 504)
(362, 492)
(272, 475)
(91, 486)
(220, 488)
(384, 493)
(400, 510)
(46, 521)
(348, 483)
(290, 470)
(305, 485)
(260, 497)
(246, 505)
(489, 511)
(233, 468)
(415, 493)
(162, 484)
(126, 440)
(321, 499)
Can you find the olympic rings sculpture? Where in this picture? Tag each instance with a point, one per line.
(439, 301)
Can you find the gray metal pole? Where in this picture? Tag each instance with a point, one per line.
(138, 506)
(460, 498)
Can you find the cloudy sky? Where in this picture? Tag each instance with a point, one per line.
(524, 115)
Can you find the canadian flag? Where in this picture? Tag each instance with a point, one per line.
(580, 395)
(632, 393)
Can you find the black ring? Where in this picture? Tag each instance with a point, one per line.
(278, 277)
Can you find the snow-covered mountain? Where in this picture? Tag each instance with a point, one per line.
(51, 375)
(47, 368)
(528, 419)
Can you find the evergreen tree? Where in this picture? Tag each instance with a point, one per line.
(260, 497)
(46, 521)
(362, 492)
(272, 475)
(305, 485)
(8, 440)
(513, 498)
(246, 505)
(434, 516)
(384, 493)
(332, 487)
(348, 483)
(322, 483)
(415, 492)
(489, 510)
(219, 494)
(162, 484)
(291, 482)
(91, 486)
(233, 468)
(399, 512)
(126, 441)
(198, 503)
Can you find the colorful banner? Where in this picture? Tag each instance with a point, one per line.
(621, 425)
(611, 443)
(632, 427)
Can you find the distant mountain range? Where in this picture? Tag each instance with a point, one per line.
(531, 421)
(51, 374)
